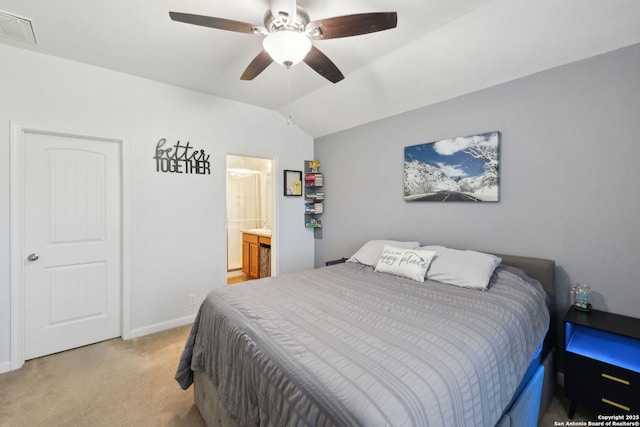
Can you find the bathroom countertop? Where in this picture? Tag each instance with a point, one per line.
(258, 232)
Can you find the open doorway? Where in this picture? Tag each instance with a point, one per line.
(250, 215)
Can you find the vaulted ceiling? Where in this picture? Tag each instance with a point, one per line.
(441, 49)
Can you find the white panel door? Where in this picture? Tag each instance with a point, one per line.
(72, 239)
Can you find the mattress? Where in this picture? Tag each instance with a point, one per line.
(345, 346)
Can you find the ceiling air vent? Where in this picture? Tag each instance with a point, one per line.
(16, 28)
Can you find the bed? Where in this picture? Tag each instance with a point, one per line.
(351, 344)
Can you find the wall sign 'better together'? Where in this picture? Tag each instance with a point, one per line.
(181, 158)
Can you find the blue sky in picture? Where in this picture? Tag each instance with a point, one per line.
(449, 154)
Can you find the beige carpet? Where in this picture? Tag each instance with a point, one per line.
(125, 383)
(557, 412)
(112, 383)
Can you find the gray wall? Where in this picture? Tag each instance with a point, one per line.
(570, 155)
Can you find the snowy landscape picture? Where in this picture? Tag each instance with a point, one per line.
(459, 169)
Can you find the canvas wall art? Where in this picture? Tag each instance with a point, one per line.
(453, 170)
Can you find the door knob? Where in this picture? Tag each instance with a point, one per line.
(33, 257)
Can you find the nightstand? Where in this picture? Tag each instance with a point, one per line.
(602, 361)
(335, 261)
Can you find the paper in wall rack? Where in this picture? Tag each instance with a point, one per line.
(314, 197)
(313, 180)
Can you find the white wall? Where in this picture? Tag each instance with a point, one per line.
(569, 166)
(177, 236)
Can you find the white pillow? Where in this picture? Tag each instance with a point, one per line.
(370, 252)
(468, 269)
(409, 263)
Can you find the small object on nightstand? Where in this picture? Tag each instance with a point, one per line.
(335, 261)
(581, 297)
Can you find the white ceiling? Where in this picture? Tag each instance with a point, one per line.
(440, 50)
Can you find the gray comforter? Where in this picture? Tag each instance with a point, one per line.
(344, 345)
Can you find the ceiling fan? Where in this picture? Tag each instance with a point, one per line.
(288, 33)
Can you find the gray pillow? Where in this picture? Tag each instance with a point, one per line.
(464, 268)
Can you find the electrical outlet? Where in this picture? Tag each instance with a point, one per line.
(192, 299)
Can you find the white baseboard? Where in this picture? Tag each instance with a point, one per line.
(5, 367)
(159, 327)
(134, 333)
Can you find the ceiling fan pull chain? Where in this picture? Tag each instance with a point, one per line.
(289, 74)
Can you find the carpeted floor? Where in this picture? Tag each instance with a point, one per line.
(112, 383)
(557, 412)
(125, 383)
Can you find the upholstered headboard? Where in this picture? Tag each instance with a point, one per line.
(543, 270)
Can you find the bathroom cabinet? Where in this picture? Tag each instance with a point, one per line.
(256, 253)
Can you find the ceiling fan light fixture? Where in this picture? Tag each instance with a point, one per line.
(287, 47)
(288, 35)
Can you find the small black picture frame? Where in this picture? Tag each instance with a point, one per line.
(292, 183)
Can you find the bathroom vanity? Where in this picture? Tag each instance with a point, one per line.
(256, 252)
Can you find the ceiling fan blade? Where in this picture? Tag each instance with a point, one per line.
(352, 25)
(323, 65)
(212, 22)
(258, 65)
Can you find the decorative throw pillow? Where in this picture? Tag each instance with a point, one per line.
(370, 252)
(467, 269)
(409, 263)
